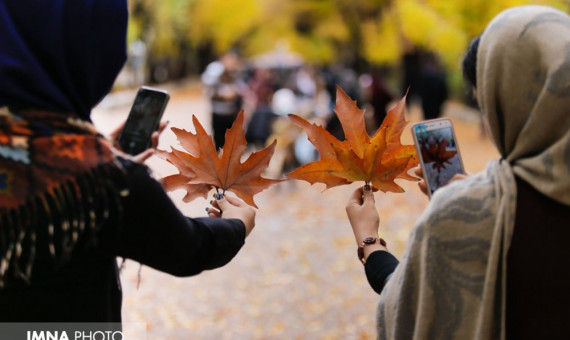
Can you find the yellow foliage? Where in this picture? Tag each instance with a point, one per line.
(223, 21)
(442, 26)
(168, 26)
(450, 10)
(134, 31)
(333, 29)
(315, 47)
(425, 27)
(263, 40)
(476, 14)
(416, 21)
(450, 43)
(382, 41)
(314, 50)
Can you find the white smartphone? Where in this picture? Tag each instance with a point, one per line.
(437, 151)
(143, 120)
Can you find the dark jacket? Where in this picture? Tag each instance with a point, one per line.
(145, 226)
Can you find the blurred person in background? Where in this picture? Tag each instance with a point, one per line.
(432, 86)
(378, 95)
(226, 90)
(347, 79)
(261, 89)
(305, 86)
(283, 130)
(488, 258)
(410, 72)
(136, 62)
(70, 203)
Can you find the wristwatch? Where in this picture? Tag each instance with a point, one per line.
(365, 242)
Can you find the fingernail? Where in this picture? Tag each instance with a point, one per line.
(367, 187)
(211, 201)
(218, 196)
(207, 209)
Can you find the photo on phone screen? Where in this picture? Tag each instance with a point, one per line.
(438, 153)
(143, 120)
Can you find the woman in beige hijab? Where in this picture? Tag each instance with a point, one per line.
(489, 258)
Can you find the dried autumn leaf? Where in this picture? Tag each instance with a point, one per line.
(377, 160)
(202, 168)
(437, 153)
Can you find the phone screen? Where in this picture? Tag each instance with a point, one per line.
(438, 153)
(143, 120)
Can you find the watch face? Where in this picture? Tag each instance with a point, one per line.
(369, 240)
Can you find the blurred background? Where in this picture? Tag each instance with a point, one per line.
(174, 39)
(297, 277)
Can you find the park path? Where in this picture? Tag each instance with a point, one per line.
(297, 277)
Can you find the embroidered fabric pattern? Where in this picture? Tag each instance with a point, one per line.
(54, 166)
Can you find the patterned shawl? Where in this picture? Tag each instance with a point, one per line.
(57, 167)
(451, 281)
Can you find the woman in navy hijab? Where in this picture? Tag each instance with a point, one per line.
(69, 203)
(60, 55)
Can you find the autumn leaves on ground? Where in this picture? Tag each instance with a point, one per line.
(297, 276)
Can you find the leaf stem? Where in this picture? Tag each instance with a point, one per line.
(218, 195)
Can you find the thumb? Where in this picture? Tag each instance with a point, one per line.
(356, 197)
(232, 200)
(143, 156)
(222, 202)
(225, 202)
(368, 196)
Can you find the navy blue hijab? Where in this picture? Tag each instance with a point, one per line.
(60, 55)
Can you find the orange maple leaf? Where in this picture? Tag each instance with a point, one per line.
(377, 160)
(437, 153)
(201, 168)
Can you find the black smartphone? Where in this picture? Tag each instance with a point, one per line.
(143, 120)
(437, 151)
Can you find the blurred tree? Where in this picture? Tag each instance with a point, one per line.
(162, 25)
(323, 31)
(222, 23)
(309, 27)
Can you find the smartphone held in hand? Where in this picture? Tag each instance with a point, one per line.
(143, 120)
(437, 151)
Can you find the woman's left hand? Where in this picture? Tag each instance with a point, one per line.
(364, 219)
(362, 214)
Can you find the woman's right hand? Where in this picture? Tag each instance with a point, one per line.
(422, 183)
(231, 207)
(143, 156)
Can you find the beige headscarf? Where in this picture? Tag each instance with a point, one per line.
(523, 72)
(451, 281)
